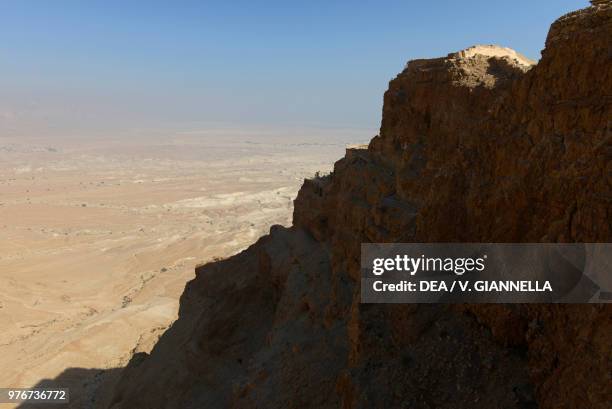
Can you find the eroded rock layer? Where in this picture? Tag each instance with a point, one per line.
(479, 146)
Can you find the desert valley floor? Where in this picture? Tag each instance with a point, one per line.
(98, 236)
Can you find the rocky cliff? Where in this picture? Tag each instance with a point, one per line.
(479, 146)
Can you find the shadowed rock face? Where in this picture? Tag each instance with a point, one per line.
(477, 146)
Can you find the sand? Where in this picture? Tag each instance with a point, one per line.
(98, 236)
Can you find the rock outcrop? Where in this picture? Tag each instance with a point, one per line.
(479, 146)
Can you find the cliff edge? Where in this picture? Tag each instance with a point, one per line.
(479, 146)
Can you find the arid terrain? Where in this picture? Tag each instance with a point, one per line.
(98, 236)
(480, 145)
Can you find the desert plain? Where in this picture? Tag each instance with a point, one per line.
(98, 235)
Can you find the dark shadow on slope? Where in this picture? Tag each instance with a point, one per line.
(88, 388)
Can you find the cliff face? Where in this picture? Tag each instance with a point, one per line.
(478, 146)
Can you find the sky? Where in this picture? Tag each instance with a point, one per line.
(90, 65)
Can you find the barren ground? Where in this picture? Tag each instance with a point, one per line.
(98, 236)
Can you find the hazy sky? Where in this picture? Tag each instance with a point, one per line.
(324, 63)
